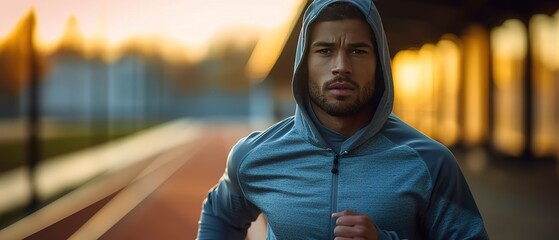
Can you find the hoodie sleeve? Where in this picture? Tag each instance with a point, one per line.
(452, 212)
(226, 213)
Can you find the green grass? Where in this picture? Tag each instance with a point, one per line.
(13, 154)
(75, 137)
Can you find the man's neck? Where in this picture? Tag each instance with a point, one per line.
(346, 126)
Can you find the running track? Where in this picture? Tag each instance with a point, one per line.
(163, 197)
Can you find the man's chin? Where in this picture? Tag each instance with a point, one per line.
(341, 109)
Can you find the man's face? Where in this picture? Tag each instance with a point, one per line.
(341, 64)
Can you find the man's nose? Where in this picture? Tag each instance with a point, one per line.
(342, 64)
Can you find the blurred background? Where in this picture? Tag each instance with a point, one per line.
(91, 89)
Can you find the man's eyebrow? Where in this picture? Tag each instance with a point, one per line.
(323, 44)
(332, 44)
(360, 45)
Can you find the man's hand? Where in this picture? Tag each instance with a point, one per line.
(352, 225)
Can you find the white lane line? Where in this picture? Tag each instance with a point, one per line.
(114, 178)
(126, 200)
(15, 189)
(70, 170)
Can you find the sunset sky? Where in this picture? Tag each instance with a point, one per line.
(189, 22)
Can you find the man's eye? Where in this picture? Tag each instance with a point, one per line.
(324, 51)
(358, 51)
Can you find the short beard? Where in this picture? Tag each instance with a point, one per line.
(341, 107)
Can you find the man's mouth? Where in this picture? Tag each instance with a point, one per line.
(341, 85)
(341, 88)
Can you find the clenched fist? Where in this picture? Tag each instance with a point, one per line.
(352, 225)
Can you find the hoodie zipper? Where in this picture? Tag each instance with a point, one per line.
(334, 200)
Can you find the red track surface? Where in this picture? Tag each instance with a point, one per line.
(172, 210)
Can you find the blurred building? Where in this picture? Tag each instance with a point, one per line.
(137, 85)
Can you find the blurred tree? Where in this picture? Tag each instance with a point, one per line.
(15, 57)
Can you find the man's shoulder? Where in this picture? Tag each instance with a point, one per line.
(401, 133)
(247, 144)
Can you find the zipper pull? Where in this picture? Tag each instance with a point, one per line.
(336, 163)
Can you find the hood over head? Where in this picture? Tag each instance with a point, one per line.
(383, 85)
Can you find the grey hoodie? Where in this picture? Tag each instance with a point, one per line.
(407, 183)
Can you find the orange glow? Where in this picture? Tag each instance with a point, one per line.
(556, 84)
(414, 78)
(476, 85)
(187, 24)
(406, 73)
(544, 38)
(407, 82)
(426, 84)
(450, 70)
(429, 68)
(509, 45)
(269, 47)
